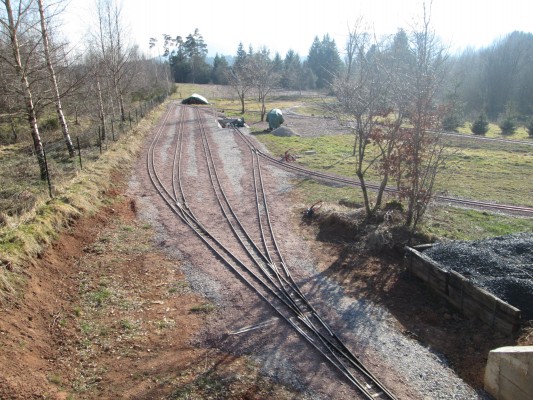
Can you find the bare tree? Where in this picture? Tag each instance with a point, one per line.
(364, 102)
(425, 154)
(115, 53)
(95, 89)
(353, 45)
(262, 74)
(240, 82)
(389, 99)
(53, 80)
(13, 23)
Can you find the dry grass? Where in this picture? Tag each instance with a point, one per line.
(23, 236)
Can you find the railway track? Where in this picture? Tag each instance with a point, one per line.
(477, 204)
(258, 263)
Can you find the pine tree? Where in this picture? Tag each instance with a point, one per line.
(219, 74)
(530, 128)
(324, 60)
(480, 126)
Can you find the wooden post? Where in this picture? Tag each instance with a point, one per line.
(79, 151)
(47, 175)
(100, 138)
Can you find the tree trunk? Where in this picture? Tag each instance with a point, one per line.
(101, 113)
(13, 130)
(381, 190)
(28, 99)
(53, 79)
(241, 97)
(120, 98)
(364, 189)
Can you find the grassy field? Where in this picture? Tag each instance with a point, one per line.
(495, 132)
(490, 171)
(495, 172)
(224, 99)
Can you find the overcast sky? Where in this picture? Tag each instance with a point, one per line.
(281, 25)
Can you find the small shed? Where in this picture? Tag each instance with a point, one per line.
(195, 99)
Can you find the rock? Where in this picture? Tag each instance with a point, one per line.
(283, 131)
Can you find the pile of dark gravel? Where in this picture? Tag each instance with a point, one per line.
(501, 265)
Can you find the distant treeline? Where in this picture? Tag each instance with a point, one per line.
(496, 81)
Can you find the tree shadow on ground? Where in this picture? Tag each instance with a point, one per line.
(421, 314)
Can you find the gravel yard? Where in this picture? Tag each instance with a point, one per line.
(407, 366)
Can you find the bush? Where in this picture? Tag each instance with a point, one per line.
(480, 126)
(508, 126)
(451, 123)
(530, 128)
(49, 124)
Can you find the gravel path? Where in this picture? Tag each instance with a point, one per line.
(407, 368)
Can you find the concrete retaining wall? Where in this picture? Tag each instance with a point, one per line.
(462, 294)
(509, 371)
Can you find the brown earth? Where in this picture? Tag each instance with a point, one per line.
(107, 314)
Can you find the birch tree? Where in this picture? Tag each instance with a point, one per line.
(53, 80)
(115, 52)
(14, 25)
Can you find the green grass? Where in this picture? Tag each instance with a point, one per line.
(55, 379)
(494, 172)
(486, 171)
(495, 132)
(495, 175)
(100, 296)
(165, 323)
(456, 223)
(126, 324)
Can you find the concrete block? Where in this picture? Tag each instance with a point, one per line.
(509, 373)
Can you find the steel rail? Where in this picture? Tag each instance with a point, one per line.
(338, 345)
(336, 349)
(524, 210)
(184, 213)
(301, 331)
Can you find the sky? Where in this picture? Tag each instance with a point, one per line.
(281, 25)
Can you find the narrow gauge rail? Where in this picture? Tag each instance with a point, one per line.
(264, 269)
(520, 210)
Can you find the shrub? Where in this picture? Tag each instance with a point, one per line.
(530, 128)
(49, 124)
(451, 123)
(508, 126)
(480, 125)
